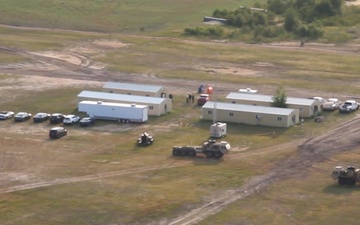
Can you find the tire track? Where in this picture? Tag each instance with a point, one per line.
(89, 177)
(311, 151)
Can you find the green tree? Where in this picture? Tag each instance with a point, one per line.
(279, 99)
(277, 6)
(291, 20)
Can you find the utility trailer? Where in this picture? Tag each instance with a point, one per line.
(218, 130)
(114, 111)
(210, 148)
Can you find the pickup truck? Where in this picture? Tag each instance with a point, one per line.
(349, 106)
(331, 104)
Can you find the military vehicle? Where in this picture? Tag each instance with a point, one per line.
(348, 176)
(145, 139)
(210, 148)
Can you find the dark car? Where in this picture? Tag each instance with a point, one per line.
(57, 132)
(56, 118)
(87, 121)
(41, 117)
(22, 116)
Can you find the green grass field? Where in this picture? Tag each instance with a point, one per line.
(114, 16)
(108, 149)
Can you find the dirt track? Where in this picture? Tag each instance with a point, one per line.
(80, 67)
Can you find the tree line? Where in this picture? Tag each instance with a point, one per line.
(300, 18)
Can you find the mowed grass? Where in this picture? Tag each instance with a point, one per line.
(192, 60)
(114, 16)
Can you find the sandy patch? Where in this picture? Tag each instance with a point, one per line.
(37, 83)
(228, 70)
(357, 2)
(110, 43)
(67, 57)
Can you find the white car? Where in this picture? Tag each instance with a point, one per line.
(320, 99)
(4, 115)
(70, 119)
(331, 104)
(349, 106)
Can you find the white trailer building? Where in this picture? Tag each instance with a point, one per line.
(136, 89)
(114, 111)
(307, 107)
(250, 114)
(156, 106)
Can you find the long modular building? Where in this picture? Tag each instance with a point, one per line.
(307, 107)
(114, 111)
(156, 106)
(250, 114)
(136, 89)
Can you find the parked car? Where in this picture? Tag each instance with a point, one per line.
(71, 119)
(22, 116)
(87, 121)
(203, 98)
(349, 106)
(56, 118)
(41, 117)
(4, 115)
(57, 132)
(320, 99)
(331, 104)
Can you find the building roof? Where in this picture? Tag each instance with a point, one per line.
(113, 104)
(108, 97)
(268, 98)
(248, 108)
(132, 87)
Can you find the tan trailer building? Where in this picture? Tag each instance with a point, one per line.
(307, 107)
(157, 106)
(249, 114)
(136, 89)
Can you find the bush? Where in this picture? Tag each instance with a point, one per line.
(201, 31)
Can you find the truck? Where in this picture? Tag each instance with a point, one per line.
(210, 148)
(331, 104)
(114, 111)
(346, 176)
(349, 106)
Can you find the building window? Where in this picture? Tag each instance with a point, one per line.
(301, 109)
(147, 95)
(128, 93)
(233, 102)
(279, 118)
(254, 104)
(231, 114)
(209, 112)
(151, 107)
(257, 117)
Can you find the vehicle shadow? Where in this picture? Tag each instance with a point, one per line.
(336, 189)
